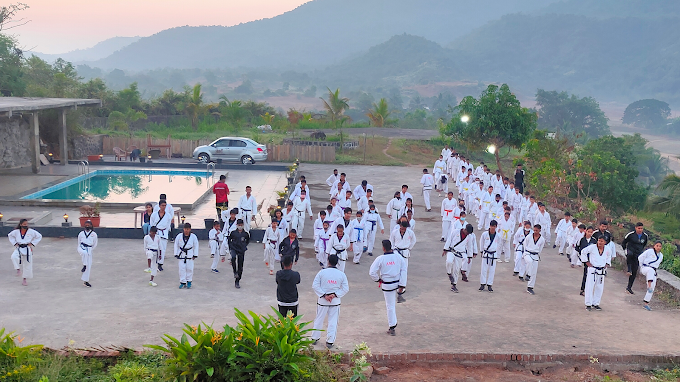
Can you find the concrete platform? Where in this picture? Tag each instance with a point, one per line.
(122, 309)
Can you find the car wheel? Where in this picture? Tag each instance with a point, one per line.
(247, 159)
(203, 158)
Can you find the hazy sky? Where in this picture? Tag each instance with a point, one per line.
(59, 26)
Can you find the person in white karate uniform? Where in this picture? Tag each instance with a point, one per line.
(388, 270)
(330, 285)
(318, 224)
(456, 251)
(393, 208)
(485, 199)
(362, 202)
(215, 240)
(345, 201)
(162, 220)
(247, 206)
(321, 244)
(561, 233)
(361, 189)
(542, 218)
(650, 260)
(87, 242)
(342, 181)
(271, 241)
(598, 258)
(506, 226)
(344, 221)
(23, 239)
(533, 245)
(373, 224)
(517, 205)
(403, 240)
(358, 236)
(338, 246)
(333, 178)
(573, 226)
(488, 244)
(168, 207)
(496, 207)
(427, 181)
(299, 187)
(152, 250)
(472, 249)
(518, 241)
(301, 205)
(449, 205)
(404, 194)
(186, 251)
(574, 240)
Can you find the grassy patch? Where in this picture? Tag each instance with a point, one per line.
(666, 226)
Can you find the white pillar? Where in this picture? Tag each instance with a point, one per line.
(63, 139)
(35, 144)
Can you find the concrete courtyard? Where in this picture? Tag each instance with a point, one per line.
(121, 309)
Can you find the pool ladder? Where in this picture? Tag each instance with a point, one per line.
(83, 167)
(210, 168)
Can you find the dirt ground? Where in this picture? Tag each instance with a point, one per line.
(452, 373)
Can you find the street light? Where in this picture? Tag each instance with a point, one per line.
(1, 223)
(465, 119)
(183, 219)
(66, 223)
(491, 149)
(65, 218)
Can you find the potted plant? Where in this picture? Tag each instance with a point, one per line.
(90, 213)
(281, 200)
(93, 158)
(292, 172)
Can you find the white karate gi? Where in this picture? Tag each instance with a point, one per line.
(321, 245)
(427, 181)
(561, 234)
(163, 227)
(456, 253)
(505, 229)
(389, 269)
(485, 200)
(272, 241)
(532, 255)
(518, 240)
(447, 213)
(373, 224)
(338, 246)
(357, 238)
(489, 250)
(332, 179)
(87, 242)
(298, 191)
(328, 281)
(403, 244)
(185, 253)
(362, 204)
(650, 261)
(168, 209)
(318, 227)
(392, 210)
(359, 191)
(574, 239)
(22, 256)
(472, 250)
(300, 206)
(405, 195)
(152, 251)
(215, 240)
(546, 225)
(496, 210)
(345, 186)
(247, 207)
(596, 272)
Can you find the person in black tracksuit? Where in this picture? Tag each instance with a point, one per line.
(286, 289)
(634, 243)
(586, 240)
(290, 247)
(238, 245)
(519, 178)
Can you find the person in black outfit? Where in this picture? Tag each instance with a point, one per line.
(634, 243)
(286, 289)
(519, 178)
(586, 240)
(289, 247)
(238, 245)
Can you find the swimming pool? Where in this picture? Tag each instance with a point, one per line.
(129, 186)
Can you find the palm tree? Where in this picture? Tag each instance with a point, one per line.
(335, 108)
(195, 107)
(380, 113)
(669, 200)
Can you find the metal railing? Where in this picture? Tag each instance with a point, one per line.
(210, 169)
(83, 167)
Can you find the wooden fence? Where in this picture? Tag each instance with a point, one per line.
(288, 153)
(275, 153)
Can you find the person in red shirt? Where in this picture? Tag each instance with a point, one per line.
(221, 190)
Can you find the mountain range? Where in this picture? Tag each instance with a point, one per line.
(101, 50)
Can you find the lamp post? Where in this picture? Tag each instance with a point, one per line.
(2, 224)
(66, 223)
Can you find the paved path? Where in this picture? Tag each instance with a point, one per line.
(121, 309)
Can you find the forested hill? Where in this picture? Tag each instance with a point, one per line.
(616, 58)
(102, 49)
(615, 8)
(318, 33)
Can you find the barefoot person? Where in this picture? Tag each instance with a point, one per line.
(388, 270)
(186, 251)
(23, 239)
(650, 260)
(162, 220)
(152, 251)
(87, 242)
(330, 285)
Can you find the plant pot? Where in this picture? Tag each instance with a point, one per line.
(209, 223)
(93, 158)
(282, 202)
(155, 154)
(142, 159)
(95, 221)
(291, 179)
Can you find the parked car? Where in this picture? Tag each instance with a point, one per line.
(231, 149)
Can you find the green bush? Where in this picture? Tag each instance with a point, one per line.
(258, 349)
(17, 363)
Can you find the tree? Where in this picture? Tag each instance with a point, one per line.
(379, 114)
(647, 113)
(415, 103)
(335, 108)
(7, 13)
(121, 121)
(668, 199)
(571, 116)
(245, 88)
(12, 81)
(195, 107)
(496, 119)
(395, 100)
(364, 102)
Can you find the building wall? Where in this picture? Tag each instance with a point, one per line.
(84, 145)
(15, 142)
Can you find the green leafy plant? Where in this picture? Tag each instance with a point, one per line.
(17, 363)
(359, 362)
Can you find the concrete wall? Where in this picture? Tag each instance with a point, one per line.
(15, 142)
(84, 145)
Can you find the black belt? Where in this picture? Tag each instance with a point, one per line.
(186, 252)
(493, 259)
(535, 253)
(649, 266)
(85, 245)
(28, 260)
(456, 253)
(600, 269)
(152, 250)
(389, 282)
(402, 249)
(23, 245)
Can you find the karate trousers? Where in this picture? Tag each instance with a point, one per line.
(215, 252)
(391, 304)
(86, 257)
(561, 241)
(467, 266)
(454, 265)
(484, 220)
(269, 255)
(333, 314)
(153, 256)
(370, 239)
(505, 249)
(298, 222)
(594, 286)
(358, 250)
(22, 258)
(488, 270)
(650, 275)
(162, 247)
(186, 271)
(520, 265)
(393, 222)
(342, 259)
(426, 197)
(446, 228)
(531, 269)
